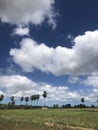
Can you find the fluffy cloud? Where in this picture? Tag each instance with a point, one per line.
(22, 11)
(18, 86)
(92, 80)
(82, 58)
(31, 55)
(21, 31)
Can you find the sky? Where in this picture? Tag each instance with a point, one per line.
(49, 45)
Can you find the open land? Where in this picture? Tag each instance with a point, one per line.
(49, 119)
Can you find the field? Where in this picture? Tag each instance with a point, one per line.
(49, 119)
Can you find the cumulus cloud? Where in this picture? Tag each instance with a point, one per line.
(31, 55)
(92, 80)
(24, 12)
(18, 86)
(82, 58)
(21, 31)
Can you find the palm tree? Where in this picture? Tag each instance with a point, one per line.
(32, 98)
(21, 99)
(26, 99)
(44, 95)
(82, 100)
(37, 98)
(1, 98)
(12, 100)
(97, 100)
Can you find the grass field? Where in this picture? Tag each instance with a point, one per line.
(49, 119)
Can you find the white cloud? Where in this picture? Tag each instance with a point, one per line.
(74, 80)
(92, 80)
(47, 59)
(21, 31)
(18, 86)
(31, 55)
(81, 59)
(23, 12)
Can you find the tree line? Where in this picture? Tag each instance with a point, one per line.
(32, 98)
(36, 98)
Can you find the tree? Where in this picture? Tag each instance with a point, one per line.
(12, 101)
(55, 106)
(32, 98)
(26, 99)
(1, 98)
(97, 100)
(82, 100)
(21, 99)
(37, 98)
(12, 98)
(44, 95)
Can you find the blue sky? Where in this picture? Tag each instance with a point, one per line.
(49, 46)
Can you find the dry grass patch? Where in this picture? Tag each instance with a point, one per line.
(63, 127)
(76, 128)
(49, 124)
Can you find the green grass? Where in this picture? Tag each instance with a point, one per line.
(49, 119)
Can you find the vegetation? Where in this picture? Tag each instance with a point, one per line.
(36, 98)
(12, 101)
(50, 119)
(82, 100)
(21, 99)
(26, 99)
(1, 98)
(97, 100)
(54, 118)
(44, 95)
